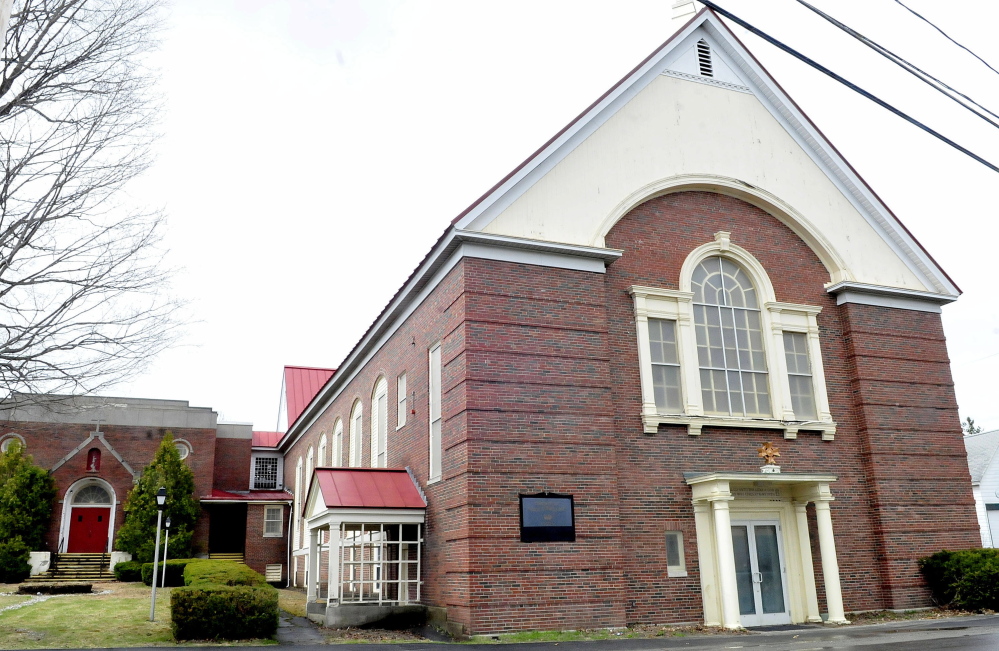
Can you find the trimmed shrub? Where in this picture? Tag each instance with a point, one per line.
(55, 588)
(223, 612)
(128, 571)
(174, 572)
(967, 579)
(14, 565)
(209, 572)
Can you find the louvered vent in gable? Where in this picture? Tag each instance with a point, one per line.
(704, 58)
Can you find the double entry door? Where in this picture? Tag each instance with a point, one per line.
(759, 572)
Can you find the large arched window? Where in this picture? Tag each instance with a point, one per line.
(730, 352)
(723, 351)
(321, 459)
(379, 424)
(356, 430)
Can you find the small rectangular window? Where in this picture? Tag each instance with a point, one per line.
(675, 565)
(265, 473)
(665, 365)
(400, 386)
(272, 520)
(799, 375)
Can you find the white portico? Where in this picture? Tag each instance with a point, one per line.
(365, 537)
(754, 549)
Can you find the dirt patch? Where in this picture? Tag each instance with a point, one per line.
(370, 635)
(882, 616)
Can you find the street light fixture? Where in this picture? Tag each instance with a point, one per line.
(166, 545)
(160, 501)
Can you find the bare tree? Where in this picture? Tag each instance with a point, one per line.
(83, 293)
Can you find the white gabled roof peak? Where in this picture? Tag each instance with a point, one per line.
(729, 65)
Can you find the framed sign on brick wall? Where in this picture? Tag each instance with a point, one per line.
(547, 517)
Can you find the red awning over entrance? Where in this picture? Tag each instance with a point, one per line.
(371, 488)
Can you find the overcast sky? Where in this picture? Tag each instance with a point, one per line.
(313, 150)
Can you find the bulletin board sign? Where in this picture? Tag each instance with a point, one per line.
(547, 517)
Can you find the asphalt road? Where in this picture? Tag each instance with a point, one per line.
(976, 633)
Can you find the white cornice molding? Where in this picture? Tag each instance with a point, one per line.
(879, 295)
(708, 81)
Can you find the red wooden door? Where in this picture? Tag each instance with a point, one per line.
(88, 531)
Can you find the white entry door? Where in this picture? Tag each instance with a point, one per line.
(760, 573)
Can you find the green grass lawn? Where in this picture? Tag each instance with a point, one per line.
(10, 600)
(118, 619)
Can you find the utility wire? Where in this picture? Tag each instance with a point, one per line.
(925, 20)
(848, 84)
(922, 75)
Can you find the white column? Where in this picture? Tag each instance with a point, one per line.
(312, 584)
(333, 571)
(726, 563)
(805, 549)
(706, 556)
(830, 568)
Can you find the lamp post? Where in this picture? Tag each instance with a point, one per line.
(166, 545)
(160, 501)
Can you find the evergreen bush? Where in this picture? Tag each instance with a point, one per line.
(27, 493)
(967, 579)
(174, 572)
(14, 566)
(128, 571)
(223, 612)
(138, 534)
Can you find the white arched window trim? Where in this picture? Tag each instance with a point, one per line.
(356, 433)
(379, 424)
(323, 445)
(777, 318)
(337, 460)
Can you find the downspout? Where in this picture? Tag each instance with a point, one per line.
(291, 522)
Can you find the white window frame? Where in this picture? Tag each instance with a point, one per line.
(253, 471)
(270, 508)
(356, 434)
(677, 305)
(337, 460)
(679, 569)
(400, 398)
(435, 398)
(297, 517)
(321, 455)
(309, 465)
(379, 424)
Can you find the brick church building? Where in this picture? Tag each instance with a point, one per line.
(680, 365)
(558, 420)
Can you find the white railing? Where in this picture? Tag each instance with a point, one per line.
(379, 563)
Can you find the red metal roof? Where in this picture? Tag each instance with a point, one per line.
(266, 439)
(250, 496)
(370, 488)
(301, 384)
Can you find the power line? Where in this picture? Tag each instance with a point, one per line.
(918, 73)
(948, 37)
(826, 71)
